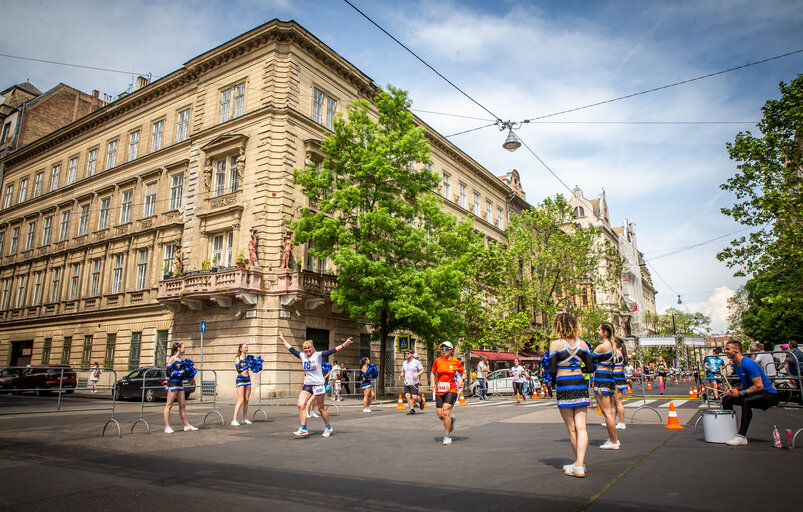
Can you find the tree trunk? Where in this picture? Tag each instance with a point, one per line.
(383, 341)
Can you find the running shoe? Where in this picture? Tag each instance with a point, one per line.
(169, 430)
(308, 415)
(235, 423)
(327, 431)
(412, 411)
(247, 422)
(421, 405)
(454, 420)
(621, 426)
(737, 441)
(576, 471)
(447, 440)
(608, 445)
(189, 428)
(368, 409)
(301, 432)
(314, 414)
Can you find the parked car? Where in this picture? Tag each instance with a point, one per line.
(8, 376)
(155, 380)
(44, 378)
(499, 382)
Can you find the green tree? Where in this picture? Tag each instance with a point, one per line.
(674, 321)
(401, 258)
(771, 315)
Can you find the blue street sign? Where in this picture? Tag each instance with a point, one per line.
(203, 326)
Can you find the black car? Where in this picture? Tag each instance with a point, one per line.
(155, 380)
(8, 376)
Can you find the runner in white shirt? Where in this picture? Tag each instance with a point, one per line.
(411, 373)
(519, 375)
(314, 383)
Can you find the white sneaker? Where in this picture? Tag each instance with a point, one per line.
(621, 426)
(576, 471)
(327, 431)
(608, 445)
(739, 440)
(301, 432)
(169, 430)
(189, 428)
(603, 424)
(308, 415)
(368, 409)
(235, 423)
(571, 465)
(314, 414)
(447, 440)
(247, 422)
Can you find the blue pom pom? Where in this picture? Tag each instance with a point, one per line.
(372, 371)
(326, 367)
(189, 369)
(254, 363)
(328, 387)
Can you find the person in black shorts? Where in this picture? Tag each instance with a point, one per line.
(412, 369)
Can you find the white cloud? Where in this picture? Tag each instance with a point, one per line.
(716, 307)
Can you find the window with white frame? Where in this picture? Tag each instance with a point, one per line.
(64, 230)
(319, 265)
(6, 293)
(183, 125)
(9, 196)
(221, 248)
(133, 145)
(15, 237)
(23, 190)
(54, 177)
(21, 285)
(94, 278)
(446, 187)
(125, 206)
(55, 285)
(476, 205)
(462, 196)
(324, 108)
(6, 131)
(499, 218)
(488, 207)
(46, 227)
(227, 180)
(37, 184)
(169, 255)
(75, 280)
(103, 213)
(91, 160)
(111, 154)
(156, 135)
(37, 287)
(30, 235)
(226, 110)
(149, 207)
(72, 170)
(117, 273)
(176, 190)
(2, 242)
(83, 220)
(142, 268)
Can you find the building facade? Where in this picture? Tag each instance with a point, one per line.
(169, 207)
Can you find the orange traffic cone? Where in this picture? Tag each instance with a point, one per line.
(535, 394)
(691, 393)
(462, 399)
(543, 393)
(676, 381)
(629, 390)
(673, 422)
(598, 411)
(696, 393)
(649, 385)
(424, 401)
(401, 404)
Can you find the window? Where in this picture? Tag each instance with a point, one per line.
(21, 283)
(48, 343)
(319, 265)
(133, 145)
(75, 280)
(55, 287)
(150, 200)
(23, 190)
(72, 170)
(111, 155)
(125, 207)
(169, 255)
(476, 204)
(183, 125)
(83, 220)
(142, 268)
(226, 112)
(6, 131)
(111, 344)
(64, 230)
(499, 218)
(462, 196)
(117, 273)
(46, 230)
(446, 187)
(37, 288)
(156, 135)
(37, 184)
(365, 345)
(103, 214)
(30, 235)
(9, 196)
(54, 177)
(318, 115)
(225, 101)
(91, 159)
(94, 280)
(221, 248)
(239, 100)
(86, 355)
(176, 190)
(66, 349)
(488, 207)
(6, 292)
(579, 212)
(15, 236)
(222, 175)
(2, 242)
(136, 346)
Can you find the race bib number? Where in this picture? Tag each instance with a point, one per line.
(318, 390)
(307, 365)
(443, 387)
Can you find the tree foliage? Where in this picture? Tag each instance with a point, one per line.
(772, 315)
(401, 258)
(674, 321)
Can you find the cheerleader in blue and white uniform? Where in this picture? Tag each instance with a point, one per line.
(243, 382)
(604, 384)
(314, 385)
(175, 388)
(368, 392)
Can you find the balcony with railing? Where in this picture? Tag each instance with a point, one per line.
(222, 288)
(295, 285)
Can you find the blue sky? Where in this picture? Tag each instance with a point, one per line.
(518, 59)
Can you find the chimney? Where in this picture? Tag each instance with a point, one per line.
(141, 82)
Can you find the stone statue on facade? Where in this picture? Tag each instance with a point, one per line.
(241, 164)
(287, 249)
(253, 259)
(208, 174)
(178, 264)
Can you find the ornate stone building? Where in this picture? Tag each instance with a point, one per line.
(144, 209)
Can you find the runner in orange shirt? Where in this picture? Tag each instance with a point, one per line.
(447, 380)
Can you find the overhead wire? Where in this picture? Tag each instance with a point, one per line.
(75, 65)
(672, 252)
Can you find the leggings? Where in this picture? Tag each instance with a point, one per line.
(518, 389)
(763, 401)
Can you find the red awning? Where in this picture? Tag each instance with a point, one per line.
(495, 356)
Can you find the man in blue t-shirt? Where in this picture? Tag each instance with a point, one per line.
(755, 392)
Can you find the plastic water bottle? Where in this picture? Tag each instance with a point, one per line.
(776, 438)
(789, 433)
